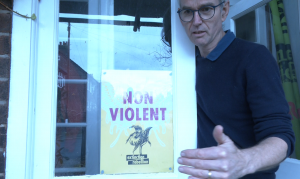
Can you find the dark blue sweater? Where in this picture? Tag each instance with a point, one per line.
(239, 87)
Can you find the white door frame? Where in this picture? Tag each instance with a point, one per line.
(32, 102)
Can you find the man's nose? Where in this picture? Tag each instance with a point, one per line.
(197, 19)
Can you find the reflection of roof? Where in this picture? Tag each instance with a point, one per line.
(75, 71)
(64, 53)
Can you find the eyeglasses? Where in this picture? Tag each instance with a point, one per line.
(205, 12)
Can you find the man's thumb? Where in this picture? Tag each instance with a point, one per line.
(219, 135)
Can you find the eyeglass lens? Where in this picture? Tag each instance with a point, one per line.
(206, 12)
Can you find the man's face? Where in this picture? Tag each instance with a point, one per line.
(204, 32)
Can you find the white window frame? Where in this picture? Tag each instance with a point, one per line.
(33, 88)
(241, 8)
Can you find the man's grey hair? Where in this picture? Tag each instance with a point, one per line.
(178, 1)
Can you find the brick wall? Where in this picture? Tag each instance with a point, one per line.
(5, 51)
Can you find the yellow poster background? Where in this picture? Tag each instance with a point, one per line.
(114, 134)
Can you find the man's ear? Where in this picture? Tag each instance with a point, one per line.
(225, 10)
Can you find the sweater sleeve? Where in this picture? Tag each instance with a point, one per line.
(266, 99)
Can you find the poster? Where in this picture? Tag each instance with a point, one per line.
(136, 122)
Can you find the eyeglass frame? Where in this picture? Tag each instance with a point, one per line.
(199, 12)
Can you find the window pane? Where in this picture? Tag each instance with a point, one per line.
(246, 27)
(114, 87)
(71, 102)
(70, 147)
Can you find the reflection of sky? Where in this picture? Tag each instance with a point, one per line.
(95, 47)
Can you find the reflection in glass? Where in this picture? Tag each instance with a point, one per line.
(246, 27)
(97, 35)
(70, 147)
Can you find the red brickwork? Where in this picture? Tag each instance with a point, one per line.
(4, 67)
(5, 44)
(5, 53)
(5, 19)
(4, 86)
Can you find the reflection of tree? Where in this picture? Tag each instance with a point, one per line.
(166, 32)
(165, 58)
(71, 108)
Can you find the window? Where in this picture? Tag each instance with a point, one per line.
(110, 50)
(37, 122)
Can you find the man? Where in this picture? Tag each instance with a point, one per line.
(244, 129)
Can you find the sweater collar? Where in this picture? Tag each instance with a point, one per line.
(220, 48)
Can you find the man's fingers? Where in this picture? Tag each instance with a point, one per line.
(219, 135)
(217, 165)
(202, 173)
(210, 153)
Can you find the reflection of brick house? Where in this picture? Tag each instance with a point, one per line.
(71, 103)
(72, 93)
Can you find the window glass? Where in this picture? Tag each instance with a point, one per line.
(70, 150)
(246, 27)
(114, 100)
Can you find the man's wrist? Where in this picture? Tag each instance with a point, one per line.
(251, 165)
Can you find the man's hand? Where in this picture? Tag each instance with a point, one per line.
(223, 161)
